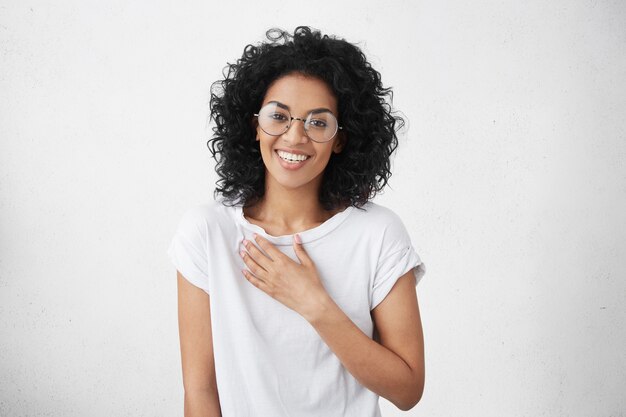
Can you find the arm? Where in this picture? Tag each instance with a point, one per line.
(393, 368)
(196, 348)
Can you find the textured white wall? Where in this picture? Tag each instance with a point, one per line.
(511, 178)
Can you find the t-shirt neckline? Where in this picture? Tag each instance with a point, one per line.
(308, 235)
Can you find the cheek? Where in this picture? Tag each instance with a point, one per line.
(265, 145)
(322, 156)
(266, 151)
(323, 153)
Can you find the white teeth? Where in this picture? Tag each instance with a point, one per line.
(291, 157)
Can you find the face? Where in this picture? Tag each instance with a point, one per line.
(300, 95)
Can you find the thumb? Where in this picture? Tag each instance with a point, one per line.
(303, 257)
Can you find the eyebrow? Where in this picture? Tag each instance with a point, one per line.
(314, 111)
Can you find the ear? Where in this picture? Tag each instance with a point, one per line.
(340, 142)
(257, 129)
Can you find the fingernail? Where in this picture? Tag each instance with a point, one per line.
(298, 240)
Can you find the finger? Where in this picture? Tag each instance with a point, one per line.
(252, 264)
(270, 249)
(257, 282)
(257, 255)
(303, 257)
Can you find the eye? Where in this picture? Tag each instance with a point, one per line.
(279, 117)
(318, 123)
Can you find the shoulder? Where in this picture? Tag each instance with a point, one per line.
(378, 216)
(383, 227)
(204, 217)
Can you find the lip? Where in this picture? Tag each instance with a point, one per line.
(289, 166)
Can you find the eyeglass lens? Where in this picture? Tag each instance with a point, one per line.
(320, 126)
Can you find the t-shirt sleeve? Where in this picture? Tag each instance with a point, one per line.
(188, 249)
(397, 258)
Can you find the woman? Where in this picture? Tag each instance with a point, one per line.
(296, 293)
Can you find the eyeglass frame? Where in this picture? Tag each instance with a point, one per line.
(306, 131)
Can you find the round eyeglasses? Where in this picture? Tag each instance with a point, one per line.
(319, 126)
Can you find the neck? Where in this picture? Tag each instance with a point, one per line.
(290, 208)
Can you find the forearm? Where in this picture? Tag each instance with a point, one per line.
(373, 365)
(203, 403)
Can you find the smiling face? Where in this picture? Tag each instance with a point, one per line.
(300, 95)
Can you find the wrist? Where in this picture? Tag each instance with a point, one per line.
(320, 305)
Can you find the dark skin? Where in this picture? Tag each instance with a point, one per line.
(290, 202)
(393, 365)
(393, 368)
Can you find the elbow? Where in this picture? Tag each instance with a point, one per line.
(209, 391)
(412, 398)
(408, 405)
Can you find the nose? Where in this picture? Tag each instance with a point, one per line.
(295, 134)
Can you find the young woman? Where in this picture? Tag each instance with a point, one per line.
(296, 293)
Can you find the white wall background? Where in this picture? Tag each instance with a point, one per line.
(511, 179)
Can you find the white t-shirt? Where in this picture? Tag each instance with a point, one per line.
(269, 361)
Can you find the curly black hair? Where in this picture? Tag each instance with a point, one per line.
(352, 176)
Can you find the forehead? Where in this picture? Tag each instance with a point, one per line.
(301, 93)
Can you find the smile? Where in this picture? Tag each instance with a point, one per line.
(292, 157)
(291, 161)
